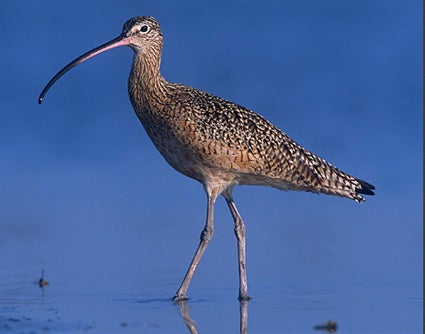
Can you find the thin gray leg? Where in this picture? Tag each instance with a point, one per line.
(243, 320)
(240, 236)
(206, 236)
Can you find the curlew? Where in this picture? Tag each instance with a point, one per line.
(214, 141)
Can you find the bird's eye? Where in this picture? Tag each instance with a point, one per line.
(144, 29)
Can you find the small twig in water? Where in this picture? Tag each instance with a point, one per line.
(331, 326)
(42, 282)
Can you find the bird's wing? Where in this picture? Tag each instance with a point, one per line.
(234, 139)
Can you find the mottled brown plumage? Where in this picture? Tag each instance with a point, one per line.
(219, 143)
(201, 134)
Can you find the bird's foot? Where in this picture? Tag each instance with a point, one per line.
(180, 298)
(244, 298)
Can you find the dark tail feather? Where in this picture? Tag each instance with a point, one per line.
(366, 188)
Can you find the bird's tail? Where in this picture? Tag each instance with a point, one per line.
(342, 184)
(366, 188)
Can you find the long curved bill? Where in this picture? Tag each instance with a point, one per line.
(116, 42)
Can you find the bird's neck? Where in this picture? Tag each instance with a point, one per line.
(146, 86)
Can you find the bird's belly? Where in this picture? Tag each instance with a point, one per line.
(182, 160)
(195, 159)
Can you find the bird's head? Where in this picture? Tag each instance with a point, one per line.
(141, 33)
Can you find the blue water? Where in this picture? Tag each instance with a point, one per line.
(85, 196)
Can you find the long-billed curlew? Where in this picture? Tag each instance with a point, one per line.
(216, 142)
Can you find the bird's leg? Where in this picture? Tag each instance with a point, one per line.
(240, 236)
(243, 316)
(206, 236)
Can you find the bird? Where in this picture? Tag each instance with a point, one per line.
(219, 143)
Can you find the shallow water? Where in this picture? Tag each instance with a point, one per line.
(121, 282)
(86, 197)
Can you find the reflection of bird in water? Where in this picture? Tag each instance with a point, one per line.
(184, 313)
(216, 142)
(190, 323)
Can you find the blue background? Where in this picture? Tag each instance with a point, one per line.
(85, 195)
